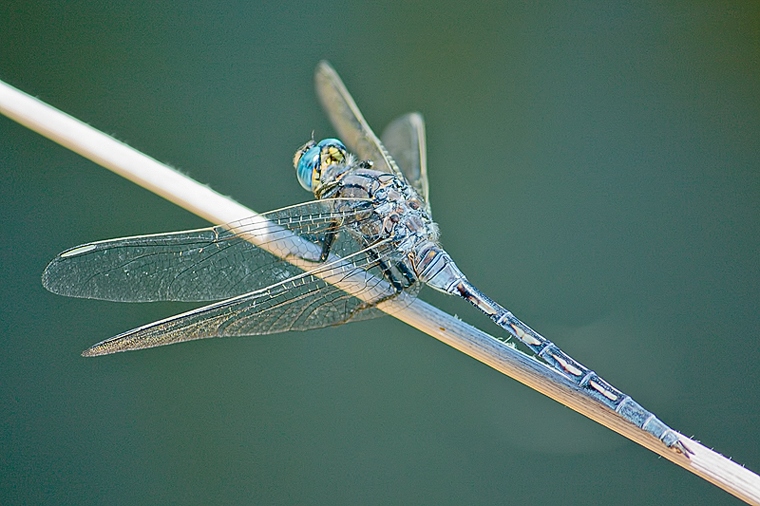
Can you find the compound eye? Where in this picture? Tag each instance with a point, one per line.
(332, 152)
(299, 153)
(306, 163)
(311, 160)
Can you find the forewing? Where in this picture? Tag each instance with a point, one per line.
(404, 139)
(304, 302)
(208, 264)
(348, 121)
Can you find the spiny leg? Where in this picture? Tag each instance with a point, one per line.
(387, 272)
(328, 240)
(410, 276)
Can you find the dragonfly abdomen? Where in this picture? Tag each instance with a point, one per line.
(587, 381)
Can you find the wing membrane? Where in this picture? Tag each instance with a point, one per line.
(204, 265)
(405, 140)
(303, 302)
(348, 121)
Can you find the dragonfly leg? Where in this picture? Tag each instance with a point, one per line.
(410, 276)
(328, 240)
(390, 275)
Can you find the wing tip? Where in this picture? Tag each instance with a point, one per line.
(50, 281)
(324, 66)
(91, 352)
(104, 348)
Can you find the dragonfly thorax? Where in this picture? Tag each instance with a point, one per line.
(399, 215)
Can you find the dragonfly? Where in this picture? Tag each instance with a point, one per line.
(366, 239)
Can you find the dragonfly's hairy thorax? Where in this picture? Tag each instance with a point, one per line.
(399, 215)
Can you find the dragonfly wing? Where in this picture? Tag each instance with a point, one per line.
(405, 140)
(348, 121)
(208, 264)
(306, 301)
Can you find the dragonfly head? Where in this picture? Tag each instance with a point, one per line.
(313, 158)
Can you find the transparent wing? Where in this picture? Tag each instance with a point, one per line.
(348, 121)
(208, 264)
(405, 140)
(306, 301)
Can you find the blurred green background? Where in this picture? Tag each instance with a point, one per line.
(594, 167)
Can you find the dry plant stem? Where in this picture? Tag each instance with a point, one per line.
(218, 209)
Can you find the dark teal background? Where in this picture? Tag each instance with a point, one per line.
(594, 167)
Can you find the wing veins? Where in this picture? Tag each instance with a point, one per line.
(185, 323)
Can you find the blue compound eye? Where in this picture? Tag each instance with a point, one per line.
(333, 152)
(306, 162)
(311, 160)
